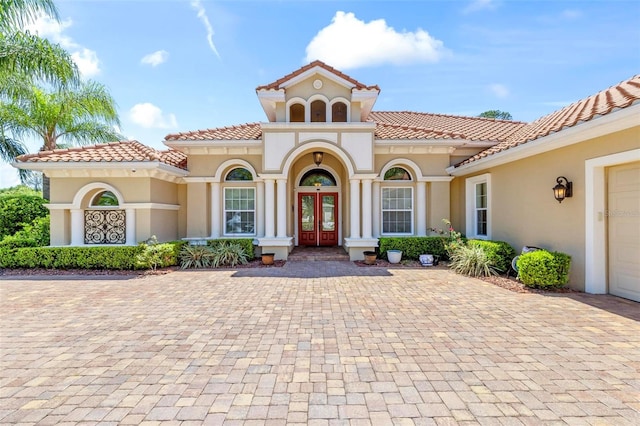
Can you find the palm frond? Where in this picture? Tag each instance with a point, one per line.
(14, 14)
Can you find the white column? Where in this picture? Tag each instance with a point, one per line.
(355, 208)
(375, 209)
(269, 208)
(366, 208)
(216, 202)
(260, 209)
(77, 227)
(130, 225)
(282, 208)
(421, 209)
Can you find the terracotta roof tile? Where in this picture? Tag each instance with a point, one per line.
(125, 151)
(470, 128)
(398, 131)
(276, 84)
(622, 95)
(249, 131)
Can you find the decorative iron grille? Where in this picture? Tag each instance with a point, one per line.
(104, 227)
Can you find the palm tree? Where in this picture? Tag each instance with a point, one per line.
(81, 114)
(22, 53)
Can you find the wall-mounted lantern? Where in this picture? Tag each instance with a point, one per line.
(317, 157)
(562, 191)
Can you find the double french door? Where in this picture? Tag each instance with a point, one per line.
(317, 218)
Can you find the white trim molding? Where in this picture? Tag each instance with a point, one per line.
(595, 221)
(470, 203)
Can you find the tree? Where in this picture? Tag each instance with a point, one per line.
(496, 114)
(81, 114)
(28, 55)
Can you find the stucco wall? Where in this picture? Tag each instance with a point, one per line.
(524, 211)
(305, 89)
(164, 224)
(134, 190)
(207, 165)
(430, 164)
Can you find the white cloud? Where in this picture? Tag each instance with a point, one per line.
(571, 14)
(477, 5)
(499, 90)
(86, 59)
(150, 116)
(87, 62)
(351, 43)
(156, 58)
(202, 14)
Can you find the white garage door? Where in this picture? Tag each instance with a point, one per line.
(624, 231)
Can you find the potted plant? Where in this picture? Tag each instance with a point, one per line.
(370, 257)
(267, 258)
(394, 256)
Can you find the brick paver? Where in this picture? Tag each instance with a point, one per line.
(312, 343)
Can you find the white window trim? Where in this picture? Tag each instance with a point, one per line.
(224, 212)
(470, 194)
(413, 206)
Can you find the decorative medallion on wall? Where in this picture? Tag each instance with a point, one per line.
(317, 84)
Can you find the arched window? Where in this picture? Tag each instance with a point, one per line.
(104, 198)
(318, 111)
(339, 112)
(104, 222)
(397, 203)
(239, 174)
(317, 177)
(296, 113)
(397, 173)
(239, 204)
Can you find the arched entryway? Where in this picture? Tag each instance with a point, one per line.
(317, 208)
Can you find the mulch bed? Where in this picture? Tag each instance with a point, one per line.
(508, 283)
(256, 263)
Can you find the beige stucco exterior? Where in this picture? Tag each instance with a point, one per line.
(172, 202)
(523, 209)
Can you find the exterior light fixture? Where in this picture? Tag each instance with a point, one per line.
(317, 157)
(562, 191)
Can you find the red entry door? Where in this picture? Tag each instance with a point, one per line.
(317, 218)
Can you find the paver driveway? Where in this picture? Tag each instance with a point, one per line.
(285, 346)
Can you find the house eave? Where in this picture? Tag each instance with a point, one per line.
(613, 122)
(131, 169)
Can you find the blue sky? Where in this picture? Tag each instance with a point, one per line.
(180, 65)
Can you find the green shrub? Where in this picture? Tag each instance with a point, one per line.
(544, 269)
(413, 247)
(471, 260)
(499, 253)
(117, 257)
(17, 241)
(18, 210)
(197, 257)
(245, 243)
(154, 254)
(228, 254)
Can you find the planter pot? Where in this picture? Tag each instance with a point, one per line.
(429, 259)
(394, 256)
(370, 257)
(267, 258)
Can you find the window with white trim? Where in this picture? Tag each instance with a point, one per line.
(239, 211)
(397, 210)
(478, 197)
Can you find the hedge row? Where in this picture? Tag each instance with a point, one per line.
(413, 247)
(103, 257)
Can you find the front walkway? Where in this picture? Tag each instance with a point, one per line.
(312, 343)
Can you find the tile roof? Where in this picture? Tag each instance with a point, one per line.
(400, 131)
(125, 151)
(276, 84)
(249, 131)
(622, 95)
(470, 128)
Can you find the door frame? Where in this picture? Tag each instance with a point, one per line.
(335, 189)
(318, 212)
(596, 251)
